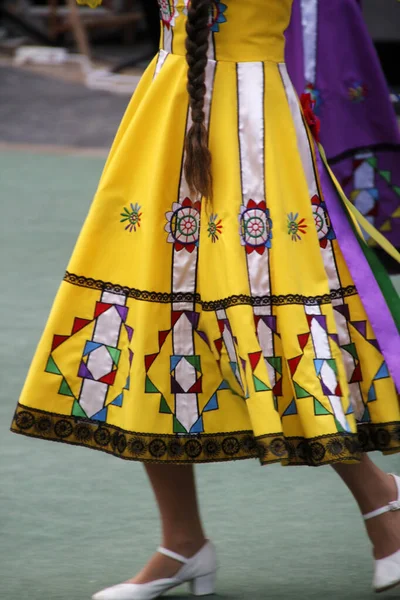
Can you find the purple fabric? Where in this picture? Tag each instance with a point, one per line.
(374, 303)
(388, 200)
(294, 54)
(345, 55)
(346, 58)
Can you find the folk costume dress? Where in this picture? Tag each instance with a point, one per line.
(255, 325)
(330, 54)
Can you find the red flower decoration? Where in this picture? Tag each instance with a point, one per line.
(314, 123)
(183, 225)
(255, 226)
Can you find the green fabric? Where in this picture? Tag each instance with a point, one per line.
(379, 271)
(387, 288)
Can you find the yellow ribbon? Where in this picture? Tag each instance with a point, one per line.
(91, 3)
(359, 218)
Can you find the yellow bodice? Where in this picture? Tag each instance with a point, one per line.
(241, 30)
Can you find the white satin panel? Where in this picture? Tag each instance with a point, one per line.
(326, 253)
(309, 22)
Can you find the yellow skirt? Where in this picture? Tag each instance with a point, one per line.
(193, 332)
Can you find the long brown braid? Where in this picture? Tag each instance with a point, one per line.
(197, 165)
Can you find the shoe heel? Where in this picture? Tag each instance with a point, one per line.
(203, 586)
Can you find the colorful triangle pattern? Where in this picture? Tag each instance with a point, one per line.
(212, 404)
(198, 427)
(319, 409)
(118, 400)
(51, 367)
(178, 427)
(259, 385)
(65, 390)
(164, 408)
(77, 410)
(300, 391)
(383, 372)
(291, 409)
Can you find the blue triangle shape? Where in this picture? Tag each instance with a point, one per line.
(291, 409)
(118, 400)
(234, 366)
(318, 362)
(350, 410)
(128, 383)
(382, 373)
(366, 418)
(101, 415)
(212, 404)
(89, 346)
(174, 361)
(198, 426)
(371, 393)
(224, 386)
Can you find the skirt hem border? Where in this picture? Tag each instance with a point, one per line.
(207, 448)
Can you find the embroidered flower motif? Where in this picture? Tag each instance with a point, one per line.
(214, 228)
(358, 92)
(168, 12)
(295, 227)
(217, 10)
(312, 120)
(183, 225)
(133, 217)
(255, 227)
(217, 15)
(315, 96)
(322, 222)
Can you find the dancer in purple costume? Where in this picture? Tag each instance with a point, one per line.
(330, 55)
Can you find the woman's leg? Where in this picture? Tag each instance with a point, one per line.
(372, 488)
(175, 491)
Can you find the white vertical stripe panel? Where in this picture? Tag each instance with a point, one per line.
(320, 341)
(211, 47)
(337, 406)
(112, 298)
(308, 168)
(301, 134)
(183, 338)
(184, 280)
(326, 253)
(209, 82)
(252, 158)
(162, 55)
(167, 39)
(322, 351)
(93, 396)
(185, 263)
(349, 362)
(251, 90)
(186, 409)
(259, 279)
(309, 23)
(251, 129)
(107, 327)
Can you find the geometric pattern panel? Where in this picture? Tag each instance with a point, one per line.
(317, 341)
(186, 383)
(100, 357)
(229, 342)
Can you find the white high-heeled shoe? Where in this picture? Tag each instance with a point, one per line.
(387, 570)
(199, 571)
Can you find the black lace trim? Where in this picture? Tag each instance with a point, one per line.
(150, 447)
(223, 303)
(372, 148)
